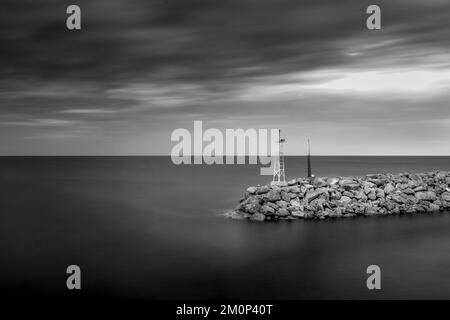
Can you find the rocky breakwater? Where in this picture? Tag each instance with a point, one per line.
(323, 198)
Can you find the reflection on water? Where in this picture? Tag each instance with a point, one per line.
(144, 228)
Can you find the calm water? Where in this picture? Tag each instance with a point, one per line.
(140, 227)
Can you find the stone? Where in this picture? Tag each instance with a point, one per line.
(262, 190)
(446, 196)
(258, 217)
(441, 175)
(252, 207)
(298, 214)
(272, 196)
(349, 215)
(434, 207)
(273, 205)
(292, 182)
(345, 199)
(333, 181)
(311, 195)
(413, 184)
(282, 204)
(251, 190)
(398, 198)
(351, 186)
(426, 195)
(370, 211)
(389, 188)
(380, 193)
(372, 195)
(282, 212)
(285, 196)
(348, 194)
(295, 202)
(268, 211)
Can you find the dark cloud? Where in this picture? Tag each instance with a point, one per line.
(136, 60)
(205, 39)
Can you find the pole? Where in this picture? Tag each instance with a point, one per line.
(309, 161)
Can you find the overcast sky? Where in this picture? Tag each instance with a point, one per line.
(140, 69)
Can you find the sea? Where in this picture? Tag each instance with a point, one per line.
(145, 228)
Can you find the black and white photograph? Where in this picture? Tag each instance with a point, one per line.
(254, 151)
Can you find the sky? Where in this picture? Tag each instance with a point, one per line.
(138, 70)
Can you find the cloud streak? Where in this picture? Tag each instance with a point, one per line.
(139, 69)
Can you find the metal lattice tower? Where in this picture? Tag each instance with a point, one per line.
(278, 167)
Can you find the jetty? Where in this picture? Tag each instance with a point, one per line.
(327, 198)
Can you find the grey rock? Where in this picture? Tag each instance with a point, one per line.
(389, 188)
(434, 207)
(285, 196)
(446, 196)
(268, 211)
(345, 199)
(372, 195)
(380, 193)
(426, 195)
(282, 204)
(398, 198)
(272, 196)
(282, 212)
(252, 207)
(251, 190)
(262, 190)
(298, 214)
(273, 205)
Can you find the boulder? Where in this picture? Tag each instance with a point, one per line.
(348, 194)
(295, 202)
(389, 188)
(398, 198)
(267, 210)
(345, 199)
(446, 196)
(273, 205)
(272, 196)
(426, 195)
(285, 196)
(251, 190)
(282, 212)
(298, 214)
(333, 181)
(372, 195)
(441, 175)
(434, 207)
(258, 217)
(262, 190)
(311, 195)
(380, 193)
(252, 207)
(282, 204)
